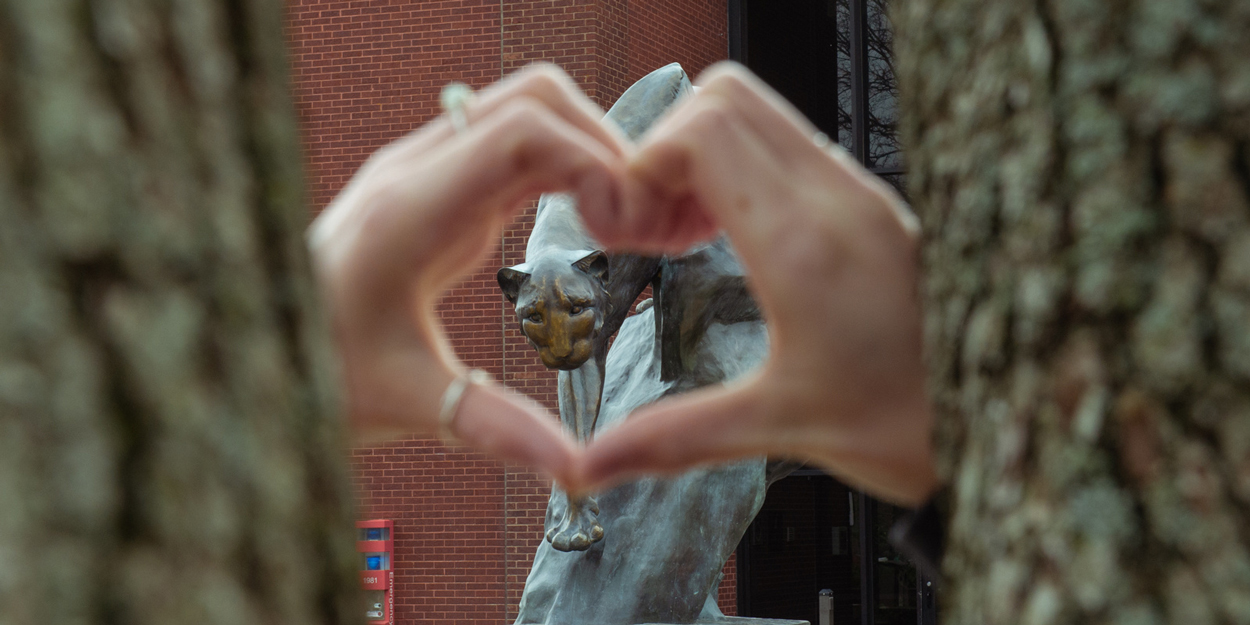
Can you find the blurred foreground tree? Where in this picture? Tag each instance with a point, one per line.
(169, 443)
(1082, 169)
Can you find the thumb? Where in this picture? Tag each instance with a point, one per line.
(512, 427)
(702, 427)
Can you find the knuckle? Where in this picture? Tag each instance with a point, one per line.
(720, 70)
(729, 81)
(713, 119)
(547, 80)
(521, 115)
(547, 67)
(515, 128)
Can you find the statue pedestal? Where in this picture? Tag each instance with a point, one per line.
(742, 620)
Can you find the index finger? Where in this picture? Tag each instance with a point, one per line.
(543, 82)
(707, 159)
(786, 133)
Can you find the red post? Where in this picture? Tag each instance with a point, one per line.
(376, 543)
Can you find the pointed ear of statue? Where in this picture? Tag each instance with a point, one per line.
(595, 264)
(511, 279)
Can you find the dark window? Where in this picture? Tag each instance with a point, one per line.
(833, 60)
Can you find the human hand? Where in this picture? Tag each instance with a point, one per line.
(416, 218)
(832, 259)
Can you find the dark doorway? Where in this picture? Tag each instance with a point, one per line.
(802, 541)
(810, 536)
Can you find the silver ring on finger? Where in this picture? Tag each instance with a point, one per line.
(449, 406)
(455, 98)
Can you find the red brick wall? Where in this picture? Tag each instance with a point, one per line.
(365, 73)
(368, 71)
(445, 502)
(690, 33)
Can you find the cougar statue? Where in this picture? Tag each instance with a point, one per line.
(652, 550)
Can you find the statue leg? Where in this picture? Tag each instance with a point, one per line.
(573, 524)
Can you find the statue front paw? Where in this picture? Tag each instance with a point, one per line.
(579, 527)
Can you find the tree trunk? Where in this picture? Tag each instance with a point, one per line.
(1082, 168)
(170, 448)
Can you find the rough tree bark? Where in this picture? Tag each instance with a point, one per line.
(169, 443)
(1083, 172)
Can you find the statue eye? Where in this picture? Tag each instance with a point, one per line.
(535, 317)
(575, 310)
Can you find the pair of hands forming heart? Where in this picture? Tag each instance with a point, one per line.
(830, 249)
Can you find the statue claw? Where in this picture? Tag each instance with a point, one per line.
(578, 528)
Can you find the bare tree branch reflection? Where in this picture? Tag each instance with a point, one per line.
(883, 146)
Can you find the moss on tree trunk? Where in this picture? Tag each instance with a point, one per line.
(170, 449)
(1082, 168)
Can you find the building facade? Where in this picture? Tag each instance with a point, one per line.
(466, 527)
(369, 71)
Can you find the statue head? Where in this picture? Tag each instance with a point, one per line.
(560, 303)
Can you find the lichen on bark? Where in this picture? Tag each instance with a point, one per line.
(170, 448)
(1080, 170)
